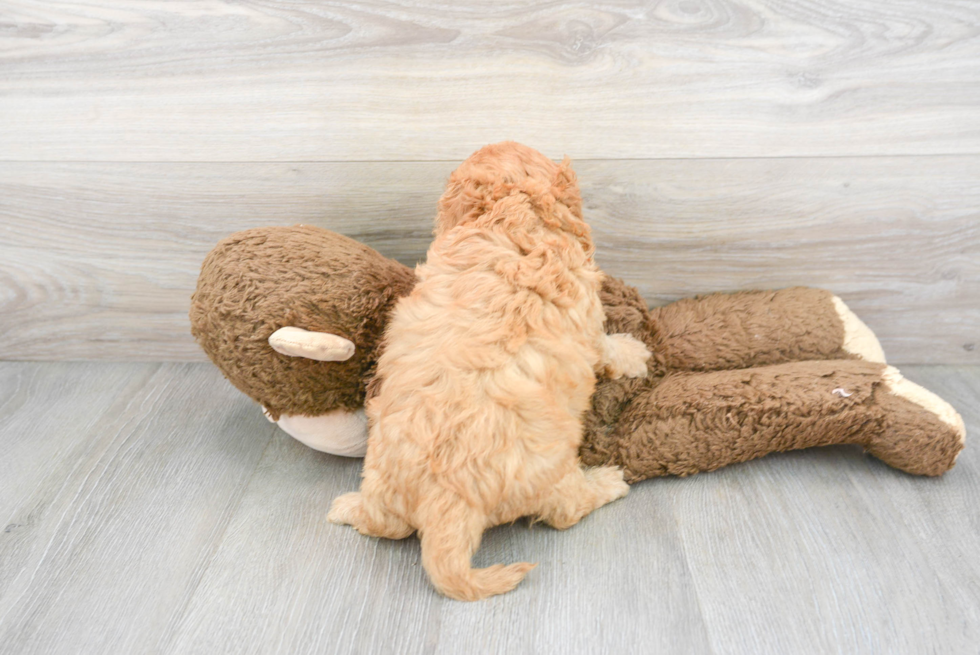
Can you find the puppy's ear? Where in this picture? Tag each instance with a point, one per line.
(461, 201)
(565, 188)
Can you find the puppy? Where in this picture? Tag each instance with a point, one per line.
(487, 369)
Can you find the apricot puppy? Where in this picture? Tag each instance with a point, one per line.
(487, 369)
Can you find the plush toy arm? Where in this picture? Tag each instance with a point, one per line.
(321, 346)
(757, 328)
(694, 422)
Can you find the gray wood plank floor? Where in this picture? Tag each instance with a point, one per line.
(150, 508)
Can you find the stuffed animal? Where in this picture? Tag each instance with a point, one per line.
(293, 317)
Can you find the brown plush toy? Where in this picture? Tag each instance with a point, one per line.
(293, 317)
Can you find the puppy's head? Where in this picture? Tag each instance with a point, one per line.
(507, 169)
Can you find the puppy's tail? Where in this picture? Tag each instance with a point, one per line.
(448, 544)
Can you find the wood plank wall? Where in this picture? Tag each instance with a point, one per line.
(721, 145)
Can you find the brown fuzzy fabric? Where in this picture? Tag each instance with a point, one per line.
(693, 422)
(733, 376)
(911, 439)
(631, 423)
(726, 331)
(257, 281)
(626, 311)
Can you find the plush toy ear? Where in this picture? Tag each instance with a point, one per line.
(321, 346)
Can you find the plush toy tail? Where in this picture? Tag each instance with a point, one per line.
(448, 544)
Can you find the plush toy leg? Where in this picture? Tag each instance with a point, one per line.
(694, 422)
(760, 328)
(923, 433)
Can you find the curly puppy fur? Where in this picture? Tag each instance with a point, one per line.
(487, 370)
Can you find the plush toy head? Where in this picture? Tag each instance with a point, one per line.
(255, 282)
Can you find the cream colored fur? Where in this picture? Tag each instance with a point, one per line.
(858, 338)
(488, 368)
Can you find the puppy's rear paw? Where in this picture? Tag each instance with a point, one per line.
(345, 509)
(625, 355)
(608, 483)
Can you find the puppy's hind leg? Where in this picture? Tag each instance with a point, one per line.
(367, 517)
(580, 492)
(449, 540)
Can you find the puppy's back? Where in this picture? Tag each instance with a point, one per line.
(488, 364)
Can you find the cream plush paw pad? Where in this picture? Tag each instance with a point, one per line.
(922, 397)
(858, 338)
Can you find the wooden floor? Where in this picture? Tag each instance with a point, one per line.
(150, 508)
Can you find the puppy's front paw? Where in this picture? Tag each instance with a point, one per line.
(345, 509)
(625, 355)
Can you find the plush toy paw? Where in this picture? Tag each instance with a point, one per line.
(922, 433)
(624, 354)
(858, 338)
(921, 396)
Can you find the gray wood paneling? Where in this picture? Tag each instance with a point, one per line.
(409, 81)
(98, 260)
(158, 516)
